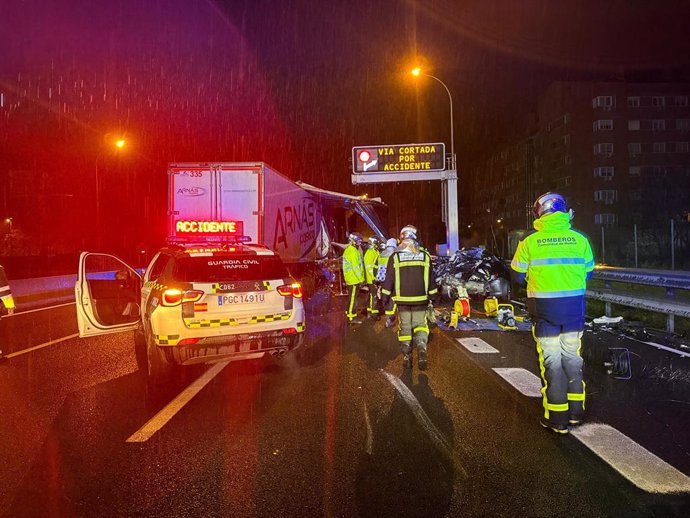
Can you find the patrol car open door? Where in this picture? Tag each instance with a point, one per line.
(107, 293)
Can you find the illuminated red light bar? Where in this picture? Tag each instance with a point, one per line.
(209, 227)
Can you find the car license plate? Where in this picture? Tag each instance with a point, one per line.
(242, 298)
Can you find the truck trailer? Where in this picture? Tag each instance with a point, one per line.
(257, 204)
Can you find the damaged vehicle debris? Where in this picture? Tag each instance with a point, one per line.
(476, 270)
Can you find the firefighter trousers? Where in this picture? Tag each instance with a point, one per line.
(560, 365)
(353, 290)
(412, 328)
(373, 307)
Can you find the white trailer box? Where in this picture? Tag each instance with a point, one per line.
(212, 201)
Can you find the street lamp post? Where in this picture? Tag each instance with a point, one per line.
(450, 185)
(119, 144)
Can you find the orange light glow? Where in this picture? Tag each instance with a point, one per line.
(416, 71)
(120, 143)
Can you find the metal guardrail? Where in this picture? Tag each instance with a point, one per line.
(671, 280)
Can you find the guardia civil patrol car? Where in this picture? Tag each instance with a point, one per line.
(193, 304)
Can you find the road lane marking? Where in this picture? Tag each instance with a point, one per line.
(523, 380)
(435, 434)
(476, 345)
(17, 313)
(370, 434)
(41, 346)
(637, 464)
(159, 420)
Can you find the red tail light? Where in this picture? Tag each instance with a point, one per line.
(289, 331)
(171, 297)
(291, 290)
(188, 341)
(174, 297)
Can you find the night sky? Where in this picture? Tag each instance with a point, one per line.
(293, 83)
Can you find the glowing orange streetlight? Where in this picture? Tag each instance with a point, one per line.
(416, 71)
(120, 143)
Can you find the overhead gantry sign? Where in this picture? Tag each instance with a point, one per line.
(412, 163)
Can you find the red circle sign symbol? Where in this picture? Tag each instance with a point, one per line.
(364, 156)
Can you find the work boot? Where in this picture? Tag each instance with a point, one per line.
(575, 420)
(559, 429)
(390, 321)
(407, 360)
(421, 359)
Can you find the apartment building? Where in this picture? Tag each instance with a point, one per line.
(618, 151)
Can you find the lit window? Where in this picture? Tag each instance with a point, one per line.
(604, 219)
(659, 147)
(604, 148)
(683, 124)
(603, 125)
(634, 125)
(604, 101)
(603, 172)
(634, 148)
(634, 170)
(607, 196)
(634, 102)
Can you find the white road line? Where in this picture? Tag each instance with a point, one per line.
(159, 420)
(638, 465)
(527, 383)
(43, 309)
(41, 346)
(370, 435)
(423, 419)
(476, 345)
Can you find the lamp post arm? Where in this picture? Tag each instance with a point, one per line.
(450, 98)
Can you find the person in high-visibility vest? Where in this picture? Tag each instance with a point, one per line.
(382, 262)
(5, 297)
(5, 292)
(556, 262)
(410, 282)
(370, 258)
(353, 274)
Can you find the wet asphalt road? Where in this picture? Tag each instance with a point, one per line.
(326, 433)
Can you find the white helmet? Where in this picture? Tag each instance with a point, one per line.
(548, 203)
(391, 243)
(408, 232)
(355, 238)
(373, 241)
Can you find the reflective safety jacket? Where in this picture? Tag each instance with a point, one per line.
(353, 265)
(382, 262)
(5, 293)
(409, 278)
(370, 257)
(557, 261)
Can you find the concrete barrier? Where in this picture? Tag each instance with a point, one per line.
(43, 291)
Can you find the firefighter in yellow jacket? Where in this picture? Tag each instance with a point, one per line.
(556, 262)
(5, 292)
(410, 283)
(6, 299)
(353, 274)
(370, 266)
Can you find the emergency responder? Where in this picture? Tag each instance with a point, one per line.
(556, 262)
(410, 282)
(353, 273)
(5, 298)
(370, 257)
(382, 261)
